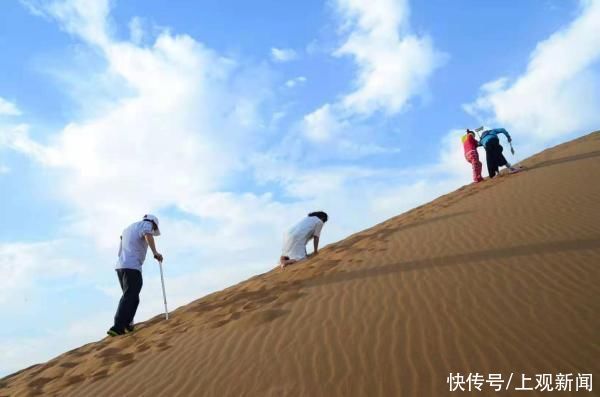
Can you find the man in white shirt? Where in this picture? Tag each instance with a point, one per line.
(294, 247)
(135, 240)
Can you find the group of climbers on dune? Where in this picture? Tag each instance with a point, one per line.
(493, 152)
(137, 237)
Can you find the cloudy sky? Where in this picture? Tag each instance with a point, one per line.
(231, 120)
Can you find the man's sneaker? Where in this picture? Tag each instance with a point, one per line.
(129, 329)
(114, 332)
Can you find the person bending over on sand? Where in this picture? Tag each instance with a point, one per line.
(135, 240)
(294, 247)
(493, 150)
(470, 147)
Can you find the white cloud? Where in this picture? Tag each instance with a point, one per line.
(558, 93)
(87, 19)
(17, 137)
(136, 30)
(323, 124)
(342, 138)
(283, 54)
(393, 64)
(161, 142)
(4, 169)
(8, 108)
(24, 264)
(295, 81)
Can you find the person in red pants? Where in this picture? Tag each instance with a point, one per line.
(470, 146)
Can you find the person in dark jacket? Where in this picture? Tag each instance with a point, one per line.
(493, 150)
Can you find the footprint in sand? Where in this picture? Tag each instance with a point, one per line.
(99, 375)
(262, 317)
(71, 380)
(77, 353)
(141, 347)
(162, 346)
(288, 297)
(108, 352)
(39, 383)
(69, 364)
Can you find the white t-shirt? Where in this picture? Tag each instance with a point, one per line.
(298, 236)
(134, 247)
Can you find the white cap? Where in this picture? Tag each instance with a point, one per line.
(154, 219)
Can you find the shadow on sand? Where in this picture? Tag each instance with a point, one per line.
(385, 231)
(563, 160)
(497, 253)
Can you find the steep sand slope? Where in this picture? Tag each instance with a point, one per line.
(503, 276)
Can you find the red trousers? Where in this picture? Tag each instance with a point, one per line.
(473, 158)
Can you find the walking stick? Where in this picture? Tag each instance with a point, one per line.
(162, 281)
(478, 131)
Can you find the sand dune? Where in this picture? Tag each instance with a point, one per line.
(498, 277)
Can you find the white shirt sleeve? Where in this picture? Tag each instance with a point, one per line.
(318, 227)
(146, 228)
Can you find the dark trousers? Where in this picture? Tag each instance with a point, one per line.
(494, 157)
(131, 284)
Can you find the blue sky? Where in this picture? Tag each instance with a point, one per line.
(231, 120)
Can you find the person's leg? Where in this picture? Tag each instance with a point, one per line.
(469, 159)
(496, 154)
(478, 166)
(120, 308)
(132, 285)
(500, 159)
(489, 158)
(120, 277)
(294, 247)
(473, 158)
(128, 328)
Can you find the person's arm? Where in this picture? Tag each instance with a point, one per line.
(503, 131)
(316, 245)
(150, 240)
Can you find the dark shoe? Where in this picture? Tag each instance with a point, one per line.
(114, 332)
(129, 329)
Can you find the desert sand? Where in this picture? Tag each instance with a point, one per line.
(497, 277)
